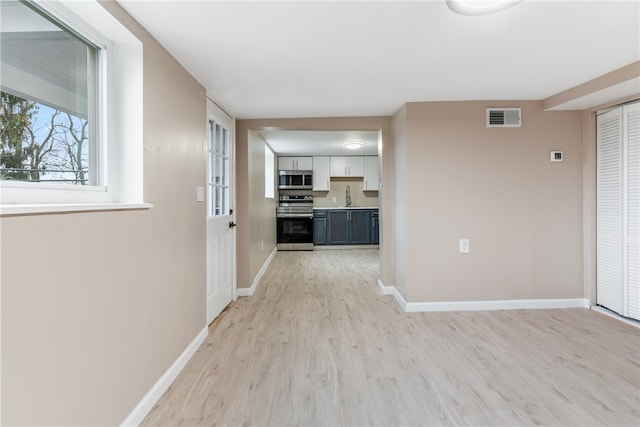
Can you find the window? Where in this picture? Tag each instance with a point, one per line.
(49, 105)
(71, 112)
(219, 172)
(269, 171)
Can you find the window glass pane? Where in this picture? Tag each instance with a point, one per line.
(225, 142)
(218, 139)
(226, 171)
(219, 170)
(214, 169)
(218, 201)
(225, 192)
(211, 126)
(48, 94)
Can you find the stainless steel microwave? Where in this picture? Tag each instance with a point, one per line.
(295, 180)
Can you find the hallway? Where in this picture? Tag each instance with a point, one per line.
(318, 345)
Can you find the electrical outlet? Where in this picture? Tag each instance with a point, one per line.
(333, 199)
(464, 246)
(262, 245)
(199, 194)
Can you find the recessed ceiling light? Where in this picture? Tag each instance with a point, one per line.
(480, 7)
(353, 145)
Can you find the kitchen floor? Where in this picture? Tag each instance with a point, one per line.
(318, 345)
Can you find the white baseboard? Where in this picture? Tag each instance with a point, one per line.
(385, 290)
(497, 305)
(399, 298)
(151, 398)
(518, 304)
(247, 292)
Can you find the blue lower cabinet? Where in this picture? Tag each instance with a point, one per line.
(338, 227)
(319, 227)
(360, 226)
(346, 226)
(375, 227)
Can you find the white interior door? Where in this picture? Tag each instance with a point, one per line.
(609, 210)
(221, 283)
(618, 210)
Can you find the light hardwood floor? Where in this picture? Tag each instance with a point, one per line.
(318, 345)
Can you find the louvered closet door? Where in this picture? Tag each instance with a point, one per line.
(618, 247)
(632, 138)
(609, 211)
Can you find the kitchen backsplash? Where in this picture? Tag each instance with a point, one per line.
(324, 199)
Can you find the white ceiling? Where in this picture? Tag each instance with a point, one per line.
(320, 143)
(287, 59)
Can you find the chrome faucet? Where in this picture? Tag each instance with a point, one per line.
(348, 197)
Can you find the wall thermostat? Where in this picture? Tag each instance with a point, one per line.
(557, 156)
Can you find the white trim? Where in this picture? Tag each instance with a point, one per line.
(68, 208)
(516, 304)
(146, 404)
(386, 290)
(220, 107)
(614, 315)
(247, 292)
(398, 296)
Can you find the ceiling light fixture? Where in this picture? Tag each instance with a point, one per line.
(353, 145)
(480, 7)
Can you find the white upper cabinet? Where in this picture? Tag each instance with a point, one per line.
(371, 173)
(295, 163)
(339, 166)
(347, 166)
(321, 173)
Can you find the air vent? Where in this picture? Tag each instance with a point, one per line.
(503, 118)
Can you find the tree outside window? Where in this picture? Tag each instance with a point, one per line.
(42, 144)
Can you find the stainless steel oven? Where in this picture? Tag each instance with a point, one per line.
(294, 218)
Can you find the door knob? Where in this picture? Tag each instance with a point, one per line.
(232, 224)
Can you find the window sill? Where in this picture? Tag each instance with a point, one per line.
(40, 209)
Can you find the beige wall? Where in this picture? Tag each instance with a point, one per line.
(255, 215)
(496, 187)
(324, 199)
(263, 222)
(253, 221)
(97, 306)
